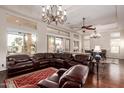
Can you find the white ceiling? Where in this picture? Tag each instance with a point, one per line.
(102, 16)
(94, 14)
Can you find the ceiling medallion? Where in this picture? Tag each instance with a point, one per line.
(53, 13)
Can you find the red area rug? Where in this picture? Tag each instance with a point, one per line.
(30, 78)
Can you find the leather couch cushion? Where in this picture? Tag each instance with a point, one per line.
(10, 63)
(71, 84)
(38, 56)
(47, 84)
(22, 60)
(44, 62)
(20, 66)
(19, 57)
(10, 59)
(48, 55)
(57, 55)
(66, 55)
(55, 78)
(81, 58)
(59, 61)
(77, 73)
(73, 63)
(24, 63)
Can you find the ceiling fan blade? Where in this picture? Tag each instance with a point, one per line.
(74, 27)
(90, 28)
(78, 29)
(83, 27)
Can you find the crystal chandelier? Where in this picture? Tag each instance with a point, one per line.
(53, 13)
(95, 35)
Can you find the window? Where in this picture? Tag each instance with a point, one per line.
(58, 32)
(21, 43)
(67, 45)
(76, 46)
(51, 44)
(86, 43)
(115, 45)
(59, 45)
(55, 44)
(115, 34)
(115, 42)
(76, 36)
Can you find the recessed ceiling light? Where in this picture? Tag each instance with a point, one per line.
(17, 21)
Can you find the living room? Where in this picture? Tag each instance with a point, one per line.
(61, 46)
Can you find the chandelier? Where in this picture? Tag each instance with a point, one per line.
(95, 35)
(53, 13)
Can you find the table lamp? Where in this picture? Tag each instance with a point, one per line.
(97, 51)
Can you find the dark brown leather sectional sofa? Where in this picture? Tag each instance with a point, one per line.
(72, 73)
(22, 62)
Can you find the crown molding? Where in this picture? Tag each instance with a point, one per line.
(12, 12)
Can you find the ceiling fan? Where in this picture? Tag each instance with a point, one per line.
(85, 27)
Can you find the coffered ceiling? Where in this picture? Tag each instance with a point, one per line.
(101, 16)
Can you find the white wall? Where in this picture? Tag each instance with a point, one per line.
(41, 37)
(3, 46)
(122, 45)
(104, 42)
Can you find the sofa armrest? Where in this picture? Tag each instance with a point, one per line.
(71, 84)
(47, 84)
(10, 63)
(35, 61)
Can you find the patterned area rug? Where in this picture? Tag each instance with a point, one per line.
(30, 78)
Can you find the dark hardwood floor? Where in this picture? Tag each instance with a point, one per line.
(3, 76)
(110, 76)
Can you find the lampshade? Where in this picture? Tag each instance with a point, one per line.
(97, 49)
